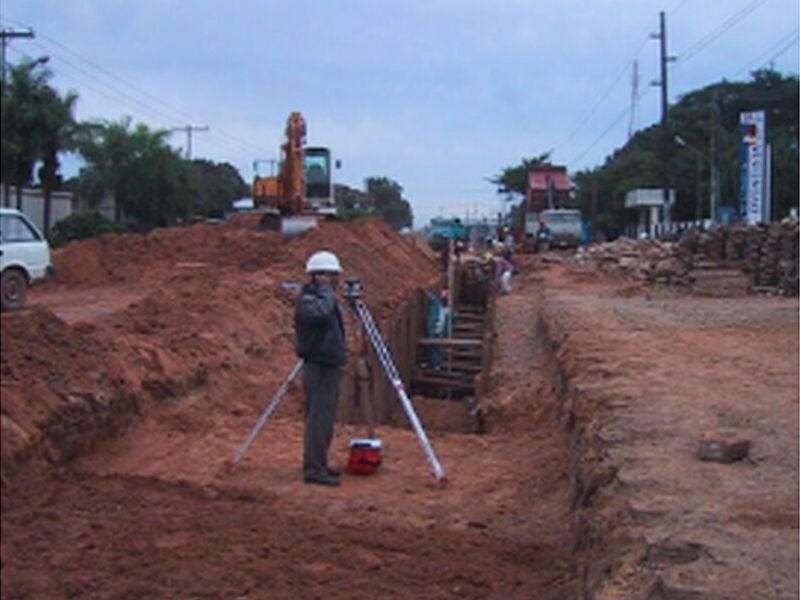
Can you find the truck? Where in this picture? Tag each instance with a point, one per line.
(443, 229)
(559, 227)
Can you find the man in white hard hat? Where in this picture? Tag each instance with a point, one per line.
(320, 342)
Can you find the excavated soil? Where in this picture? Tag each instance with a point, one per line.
(139, 369)
(151, 367)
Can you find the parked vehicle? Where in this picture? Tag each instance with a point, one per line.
(553, 227)
(443, 229)
(565, 226)
(24, 257)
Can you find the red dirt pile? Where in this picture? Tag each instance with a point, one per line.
(171, 311)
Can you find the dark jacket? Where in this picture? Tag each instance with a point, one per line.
(319, 327)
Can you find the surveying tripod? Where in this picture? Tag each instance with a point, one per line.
(353, 294)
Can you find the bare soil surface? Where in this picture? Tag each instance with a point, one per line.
(135, 375)
(150, 511)
(652, 373)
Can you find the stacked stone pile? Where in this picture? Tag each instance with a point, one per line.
(736, 243)
(787, 258)
(714, 243)
(644, 260)
(725, 261)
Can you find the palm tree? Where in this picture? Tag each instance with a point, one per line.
(135, 165)
(22, 123)
(57, 134)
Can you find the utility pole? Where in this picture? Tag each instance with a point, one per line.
(698, 206)
(5, 36)
(189, 129)
(634, 96)
(272, 162)
(665, 136)
(594, 207)
(713, 196)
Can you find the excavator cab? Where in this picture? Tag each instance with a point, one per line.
(319, 197)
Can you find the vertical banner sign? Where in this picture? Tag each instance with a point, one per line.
(752, 126)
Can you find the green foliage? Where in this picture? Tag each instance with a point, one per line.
(387, 201)
(351, 203)
(38, 124)
(80, 226)
(512, 181)
(383, 197)
(214, 187)
(147, 178)
(638, 163)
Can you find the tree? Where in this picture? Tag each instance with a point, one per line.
(692, 120)
(23, 122)
(57, 134)
(351, 203)
(213, 187)
(513, 181)
(386, 197)
(134, 164)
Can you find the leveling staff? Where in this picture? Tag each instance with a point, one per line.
(320, 342)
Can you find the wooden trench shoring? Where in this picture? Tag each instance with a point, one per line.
(460, 380)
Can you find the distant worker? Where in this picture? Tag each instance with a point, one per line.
(503, 270)
(508, 245)
(440, 325)
(320, 342)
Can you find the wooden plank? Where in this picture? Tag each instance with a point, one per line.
(443, 376)
(451, 342)
(446, 383)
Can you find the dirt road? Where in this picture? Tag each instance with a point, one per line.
(587, 483)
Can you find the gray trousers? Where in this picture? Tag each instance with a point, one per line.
(321, 387)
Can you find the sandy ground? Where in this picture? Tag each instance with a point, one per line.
(586, 485)
(652, 374)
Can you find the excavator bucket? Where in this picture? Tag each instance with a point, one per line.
(293, 226)
(289, 226)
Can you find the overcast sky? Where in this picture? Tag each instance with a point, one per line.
(437, 95)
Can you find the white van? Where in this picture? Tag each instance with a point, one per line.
(24, 257)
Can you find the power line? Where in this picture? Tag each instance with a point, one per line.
(161, 119)
(602, 98)
(173, 113)
(690, 52)
(775, 50)
(583, 120)
(614, 123)
(716, 33)
(189, 130)
(675, 9)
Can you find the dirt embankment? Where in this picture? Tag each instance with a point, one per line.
(130, 320)
(152, 513)
(588, 484)
(649, 374)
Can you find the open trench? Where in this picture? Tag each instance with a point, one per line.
(520, 381)
(150, 513)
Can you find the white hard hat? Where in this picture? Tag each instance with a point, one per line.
(323, 262)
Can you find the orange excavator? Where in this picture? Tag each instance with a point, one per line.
(302, 192)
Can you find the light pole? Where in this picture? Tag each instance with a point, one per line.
(698, 192)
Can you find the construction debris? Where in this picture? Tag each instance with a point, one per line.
(722, 451)
(725, 261)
